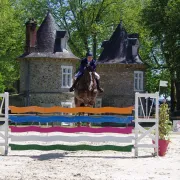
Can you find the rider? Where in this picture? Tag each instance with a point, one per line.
(88, 61)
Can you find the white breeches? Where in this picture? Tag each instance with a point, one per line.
(97, 75)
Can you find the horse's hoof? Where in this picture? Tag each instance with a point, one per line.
(71, 89)
(78, 124)
(101, 90)
(88, 124)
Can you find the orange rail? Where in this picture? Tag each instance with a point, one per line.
(57, 109)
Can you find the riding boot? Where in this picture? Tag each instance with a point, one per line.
(98, 86)
(74, 84)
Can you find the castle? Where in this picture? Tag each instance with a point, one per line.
(48, 66)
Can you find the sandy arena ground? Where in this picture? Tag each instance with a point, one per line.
(86, 165)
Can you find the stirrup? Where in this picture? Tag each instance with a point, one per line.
(71, 89)
(100, 89)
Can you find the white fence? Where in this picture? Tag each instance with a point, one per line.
(149, 113)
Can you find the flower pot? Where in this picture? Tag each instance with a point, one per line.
(163, 145)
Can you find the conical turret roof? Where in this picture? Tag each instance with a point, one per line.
(118, 49)
(46, 34)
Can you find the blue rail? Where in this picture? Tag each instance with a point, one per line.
(48, 119)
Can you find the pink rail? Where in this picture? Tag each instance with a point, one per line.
(127, 130)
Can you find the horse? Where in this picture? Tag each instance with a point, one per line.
(86, 91)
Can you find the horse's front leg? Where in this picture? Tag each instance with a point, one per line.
(88, 124)
(92, 98)
(79, 124)
(78, 102)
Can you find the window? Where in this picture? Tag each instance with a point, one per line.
(98, 103)
(66, 105)
(66, 76)
(138, 80)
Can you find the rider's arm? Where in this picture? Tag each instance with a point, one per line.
(93, 65)
(82, 66)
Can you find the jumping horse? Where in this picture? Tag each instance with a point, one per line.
(86, 91)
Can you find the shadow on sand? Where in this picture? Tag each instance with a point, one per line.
(49, 156)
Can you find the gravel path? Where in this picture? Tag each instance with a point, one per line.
(86, 165)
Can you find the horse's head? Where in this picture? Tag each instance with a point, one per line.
(87, 81)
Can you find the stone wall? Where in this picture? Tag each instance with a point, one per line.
(118, 83)
(50, 99)
(45, 80)
(23, 75)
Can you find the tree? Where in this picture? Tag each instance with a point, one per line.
(10, 45)
(36, 9)
(88, 23)
(159, 16)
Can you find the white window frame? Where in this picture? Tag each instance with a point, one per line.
(98, 101)
(66, 83)
(141, 84)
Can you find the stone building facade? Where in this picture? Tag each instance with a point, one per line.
(118, 83)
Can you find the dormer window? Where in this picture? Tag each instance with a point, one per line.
(60, 41)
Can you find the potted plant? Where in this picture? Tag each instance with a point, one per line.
(164, 128)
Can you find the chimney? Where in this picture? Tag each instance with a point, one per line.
(30, 35)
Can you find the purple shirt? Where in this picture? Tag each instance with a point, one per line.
(84, 63)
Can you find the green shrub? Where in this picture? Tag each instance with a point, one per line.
(164, 122)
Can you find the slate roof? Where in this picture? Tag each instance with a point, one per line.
(118, 49)
(51, 41)
(46, 34)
